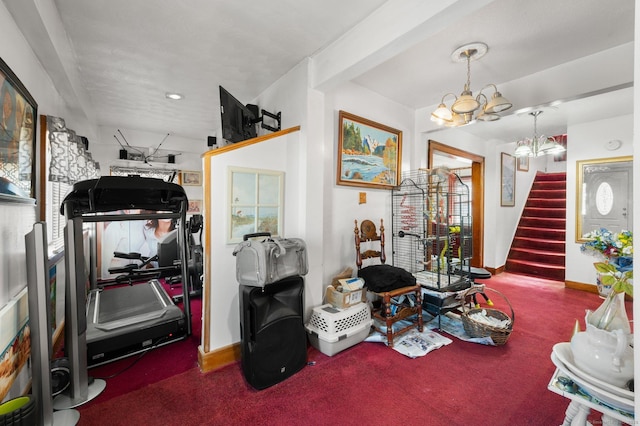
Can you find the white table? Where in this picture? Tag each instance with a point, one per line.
(580, 406)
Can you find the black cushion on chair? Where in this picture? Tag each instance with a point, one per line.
(381, 278)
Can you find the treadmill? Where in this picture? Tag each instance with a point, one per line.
(125, 320)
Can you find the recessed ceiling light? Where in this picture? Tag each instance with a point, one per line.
(174, 96)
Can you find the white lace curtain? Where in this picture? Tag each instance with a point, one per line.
(70, 161)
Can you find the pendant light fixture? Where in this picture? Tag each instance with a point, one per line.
(466, 108)
(538, 145)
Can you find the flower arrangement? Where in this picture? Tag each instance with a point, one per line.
(617, 251)
(608, 244)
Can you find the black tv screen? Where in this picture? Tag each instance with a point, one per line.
(238, 121)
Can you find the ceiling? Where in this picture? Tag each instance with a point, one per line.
(126, 54)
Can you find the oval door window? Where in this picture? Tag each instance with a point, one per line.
(604, 198)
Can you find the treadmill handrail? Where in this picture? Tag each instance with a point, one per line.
(114, 193)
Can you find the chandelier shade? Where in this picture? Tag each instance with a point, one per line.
(465, 103)
(467, 108)
(538, 145)
(498, 103)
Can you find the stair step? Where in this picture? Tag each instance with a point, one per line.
(556, 246)
(555, 203)
(549, 185)
(546, 212)
(540, 256)
(538, 247)
(551, 176)
(543, 222)
(548, 193)
(544, 233)
(536, 269)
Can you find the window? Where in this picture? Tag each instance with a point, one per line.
(256, 200)
(67, 161)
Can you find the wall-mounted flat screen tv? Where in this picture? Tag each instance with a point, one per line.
(238, 121)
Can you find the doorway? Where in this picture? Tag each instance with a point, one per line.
(470, 168)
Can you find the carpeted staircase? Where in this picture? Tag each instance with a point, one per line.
(538, 248)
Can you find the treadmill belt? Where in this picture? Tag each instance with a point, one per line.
(125, 302)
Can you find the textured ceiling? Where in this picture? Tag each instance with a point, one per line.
(128, 53)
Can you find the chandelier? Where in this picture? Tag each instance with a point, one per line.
(466, 108)
(538, 145)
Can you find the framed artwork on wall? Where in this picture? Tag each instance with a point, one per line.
(190, 178)
(369, 153)
(17, 136)
(256, 200)
(507, 180)
(195, 207)
(523, 164)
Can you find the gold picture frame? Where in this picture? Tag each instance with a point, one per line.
(604, 195)
(369, 153)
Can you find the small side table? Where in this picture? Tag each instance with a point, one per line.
(580, 406)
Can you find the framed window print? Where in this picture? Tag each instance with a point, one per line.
(256, 200)
(507, 180)
(17, 136)
(369, 153)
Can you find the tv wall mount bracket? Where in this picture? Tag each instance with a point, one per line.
(277, 117)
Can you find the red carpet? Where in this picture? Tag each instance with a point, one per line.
(459, 384)
(138, 371)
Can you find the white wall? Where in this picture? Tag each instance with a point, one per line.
(188, 152)
(16, 219)
(274, 154)
(587, 142)
(342, 202)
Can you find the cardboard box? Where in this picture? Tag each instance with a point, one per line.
(344, 300)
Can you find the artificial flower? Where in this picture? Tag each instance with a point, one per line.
(608, 244)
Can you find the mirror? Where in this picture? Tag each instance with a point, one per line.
(604, 194)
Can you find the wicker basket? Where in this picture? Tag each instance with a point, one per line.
(477, 329)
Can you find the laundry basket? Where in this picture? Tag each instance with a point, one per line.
(475, 328)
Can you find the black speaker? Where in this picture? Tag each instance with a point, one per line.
(274, 341)
(123, 154)
(171, 158)
(211, 140)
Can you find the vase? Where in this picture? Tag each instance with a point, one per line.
(604, 350)
(622, 264)
(604, 354)
(603, 290)
(610, 315)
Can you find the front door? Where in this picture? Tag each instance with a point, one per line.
(606, 196)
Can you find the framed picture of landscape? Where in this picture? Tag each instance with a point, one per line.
(369, 153)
